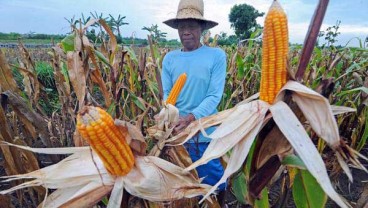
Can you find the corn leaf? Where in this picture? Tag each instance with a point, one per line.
(293, 161)
(240, 65)
(239, 186)
(363, 89)
(364, 138)
(102, 57)
(307, 192)
(263, 201)
(68, 43)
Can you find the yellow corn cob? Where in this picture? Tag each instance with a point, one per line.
(175, 91)
(274, 53)
(97, 127)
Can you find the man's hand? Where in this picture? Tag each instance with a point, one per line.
(182, 123)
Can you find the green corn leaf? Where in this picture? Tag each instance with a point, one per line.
(363, 89)
(263, 202)
(293, 161)
(240, 64)
(68, 43)
(101, 57)
(239, 186)
(307, 192)
(364, 138)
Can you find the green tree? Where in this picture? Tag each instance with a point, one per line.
(224, 39)
(243, 18)
(117, 23)
(155, 33)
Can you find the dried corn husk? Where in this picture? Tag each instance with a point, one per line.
(82, 172)
(238, 131)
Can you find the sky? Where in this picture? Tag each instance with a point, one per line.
(48, 16)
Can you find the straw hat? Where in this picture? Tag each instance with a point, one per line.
(190, 9)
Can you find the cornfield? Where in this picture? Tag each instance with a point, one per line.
(40, 103)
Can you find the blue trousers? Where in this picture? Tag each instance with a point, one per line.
(212, 171)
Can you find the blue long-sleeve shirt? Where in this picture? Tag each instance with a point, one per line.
(206, 71)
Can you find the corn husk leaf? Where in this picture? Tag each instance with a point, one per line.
(74, 196)
(165, 121)
(82, 172)
(320, 116)
(317, 111)
(224, 139)
(134, 137)
(196, 126)
(156, 179)
(294, 131)
(116, 193)
(87, 200)
(205, 122)
(239, 153)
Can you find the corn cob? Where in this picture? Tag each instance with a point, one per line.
(175, 91)
(97, 127)
(274, 53)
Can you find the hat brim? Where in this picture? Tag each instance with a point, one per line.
(207, 24)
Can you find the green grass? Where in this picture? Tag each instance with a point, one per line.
(31, 41)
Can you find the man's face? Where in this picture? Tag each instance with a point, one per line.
(190, 34)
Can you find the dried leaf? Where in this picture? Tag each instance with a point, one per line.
(96, 76)
(303, 145)
(134, 138)
(78, 140)
(33, 121)
(77, 75)
(112, 42)
(26, 160)
(7, 81)
(317, 111)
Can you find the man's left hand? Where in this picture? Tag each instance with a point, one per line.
(182, 123)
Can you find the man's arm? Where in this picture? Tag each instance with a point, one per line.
(166, 77)
(215, 89)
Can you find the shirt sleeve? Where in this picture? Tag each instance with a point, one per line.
(166, 77)
(215, 89)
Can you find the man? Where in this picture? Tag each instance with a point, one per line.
(206, 71)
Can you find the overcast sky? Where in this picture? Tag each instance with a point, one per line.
(47, 16)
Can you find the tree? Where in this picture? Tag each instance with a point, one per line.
(117, 23)
(155, 33)
(243, 18)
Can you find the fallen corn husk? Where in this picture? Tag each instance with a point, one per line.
(240, 125)
(151, 178)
